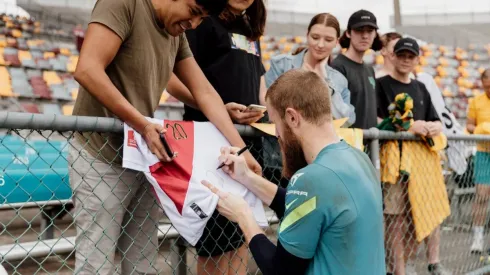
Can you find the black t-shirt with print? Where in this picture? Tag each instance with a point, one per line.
(362, 88)
(388, 88)
(231, 62)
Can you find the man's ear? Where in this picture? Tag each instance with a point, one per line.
(292, 117)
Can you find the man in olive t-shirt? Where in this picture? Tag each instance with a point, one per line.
(130, 50)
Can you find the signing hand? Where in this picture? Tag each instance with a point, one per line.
(151, 134)
(238, 167)
(239, 114)
(231, 206)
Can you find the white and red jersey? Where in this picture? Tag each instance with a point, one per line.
(177, 184)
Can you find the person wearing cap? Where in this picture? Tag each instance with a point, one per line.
(130, 51)
(405, 57)
(478, 122)
(360, 36)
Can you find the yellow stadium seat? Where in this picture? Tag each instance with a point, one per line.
(16, 33)
(287, 47)
(24, 55)
(164, 97)
(418, 69)
(74, 93)
(461, 82)
(481, 70)
(423, 61)
(51, 78)
(9, 24)
(267, 66)
(266, 56)
(379, 60)
(68, 110)
(437, 79)
(48, 55)
(65, 51)
(443, 61)
(72, 63)
(282, 40)
(298, 39)
(447, 93)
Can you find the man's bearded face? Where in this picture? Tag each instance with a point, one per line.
(293, 157)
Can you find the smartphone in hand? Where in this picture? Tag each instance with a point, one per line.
(169, 151)
(256, 108)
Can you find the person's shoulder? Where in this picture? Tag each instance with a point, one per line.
(279, 62)
(338, 76)
(281, 58)
(419, 83)
(338, 61)
(313, 176)
(384, 78)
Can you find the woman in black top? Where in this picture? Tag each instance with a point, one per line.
(227, 49)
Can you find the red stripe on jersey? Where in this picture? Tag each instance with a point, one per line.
(174, 179)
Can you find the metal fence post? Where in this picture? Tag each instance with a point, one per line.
(374, 148)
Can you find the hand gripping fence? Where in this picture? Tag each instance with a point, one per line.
(435, 203)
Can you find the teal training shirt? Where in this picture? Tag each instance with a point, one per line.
(334, 214)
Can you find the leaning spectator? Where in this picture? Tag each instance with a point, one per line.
(403, 207)
(360, 36)
(388, 41)
(322, 37)
(130, 50)
(479, 123)
(227, 48)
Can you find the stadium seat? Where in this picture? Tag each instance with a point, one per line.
(74, 93)
(67, 110)
(5, 84)
(164, 97)
(43, 64)
(30, 107)
(59, 92)
(51, 108)
(72, 64)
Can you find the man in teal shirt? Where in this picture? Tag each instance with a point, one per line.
(331, 212)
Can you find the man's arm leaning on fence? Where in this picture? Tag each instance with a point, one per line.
(99, 48)
(211, 104)
(178, 90)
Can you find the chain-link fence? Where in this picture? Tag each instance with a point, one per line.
(41, 192)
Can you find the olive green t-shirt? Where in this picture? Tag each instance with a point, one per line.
(140, 70)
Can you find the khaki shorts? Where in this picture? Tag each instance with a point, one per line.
(395, 198)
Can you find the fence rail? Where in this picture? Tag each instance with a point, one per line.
(35, 190)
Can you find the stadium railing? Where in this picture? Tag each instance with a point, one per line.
(34, 164)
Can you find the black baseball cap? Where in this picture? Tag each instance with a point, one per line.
(407, 44)
(362, 18)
